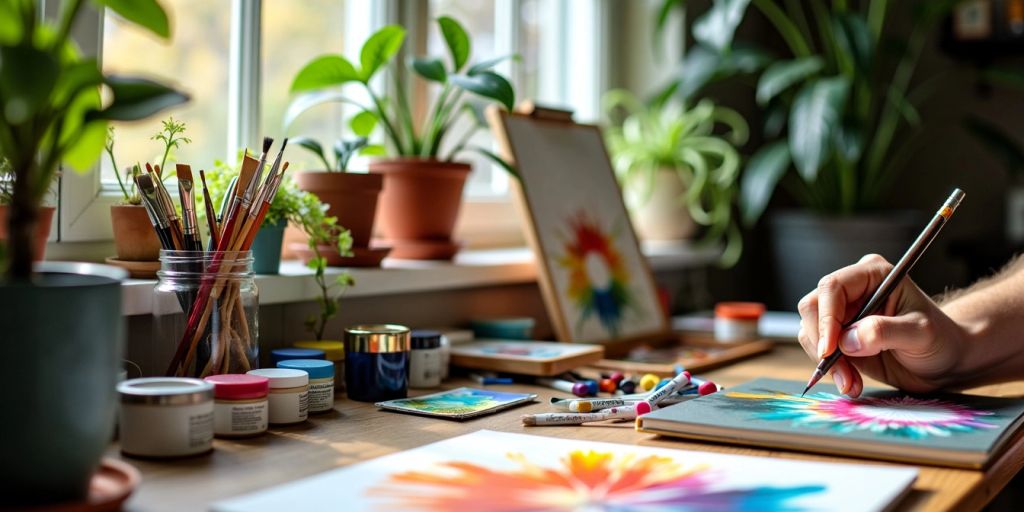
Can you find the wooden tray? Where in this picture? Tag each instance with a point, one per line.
(538, 358)
(695, 353)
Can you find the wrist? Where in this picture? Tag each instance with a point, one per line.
(970, 335)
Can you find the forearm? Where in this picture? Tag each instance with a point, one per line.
(991, 316)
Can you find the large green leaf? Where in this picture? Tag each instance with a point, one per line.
(27, 77)
(430, 68)
(363, 123)
(717, 27)
(489, 85)
(457, 40)
(380, 48)
(144, 13)
(783, 74)
(325, 71)
(664, 10)
(814, 116)
(308, 100)
(83, 138)
(489, 64)
(763, 172)
(138, 98)
(853, 38)
(75, 78)
(699, 67)
(10, 25)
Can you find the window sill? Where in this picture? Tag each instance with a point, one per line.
(471, 269)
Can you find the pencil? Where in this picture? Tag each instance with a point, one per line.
(898, 272)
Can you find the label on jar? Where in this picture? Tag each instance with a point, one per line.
(240, 418)
(425, 368)
(321, 395)
(290, 407)
(200, 430)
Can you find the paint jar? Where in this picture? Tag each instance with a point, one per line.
(289, 394)
(221, 337)
(284, 354)
(241, 407)
(166, 417)
(737, 321)
(514, 328)
(334, 351)
(446, 356)
(425, 359)
(376, 362)
(321, 381)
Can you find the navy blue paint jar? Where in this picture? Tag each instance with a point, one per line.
(377, 362)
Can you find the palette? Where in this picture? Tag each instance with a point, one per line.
(506, 472)
(537, 358)
(943, 429)
(458, 404)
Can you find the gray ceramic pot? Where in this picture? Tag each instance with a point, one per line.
(63, 343)
(806, 246)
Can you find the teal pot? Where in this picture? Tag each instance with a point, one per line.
(63, 338)
(807, 246)
(266, 248)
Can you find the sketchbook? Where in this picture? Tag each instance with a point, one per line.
(500, 471)
(941, 429)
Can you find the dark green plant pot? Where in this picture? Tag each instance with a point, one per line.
(266, 248)
(63, 344)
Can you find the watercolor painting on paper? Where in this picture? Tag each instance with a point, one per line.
(512, 472)
(461, 403)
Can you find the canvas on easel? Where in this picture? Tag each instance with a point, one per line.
(596, 283)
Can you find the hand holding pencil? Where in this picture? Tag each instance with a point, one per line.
(906, 341)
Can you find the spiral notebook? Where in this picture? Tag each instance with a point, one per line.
(941, 429)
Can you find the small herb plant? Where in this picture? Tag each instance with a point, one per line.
(171, 134)
(665, 134)
(305, 211)
(320, 81)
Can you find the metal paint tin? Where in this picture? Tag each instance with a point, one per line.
(166, 417)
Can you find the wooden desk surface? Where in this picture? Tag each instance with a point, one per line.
(355, 432)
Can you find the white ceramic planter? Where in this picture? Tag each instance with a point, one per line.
(662, 216)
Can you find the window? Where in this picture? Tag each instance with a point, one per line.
(237, 60)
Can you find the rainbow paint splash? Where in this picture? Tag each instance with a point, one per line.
(583, 480)
(915, 418)
(598, 279)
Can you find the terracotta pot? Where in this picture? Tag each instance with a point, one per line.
(134, 236)
(352, 198)
(420, 202)
(42, 229)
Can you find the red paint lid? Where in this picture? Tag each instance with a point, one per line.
(232, 386)
(739, 310)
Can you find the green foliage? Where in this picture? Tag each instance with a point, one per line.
(318, 82)
(51, 104)
(6, 181)
(305, 211)
(644, 139)
(172, 135)
(836, 106)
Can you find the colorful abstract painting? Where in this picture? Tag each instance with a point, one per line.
(582, 480)
(458, 403)
(902, 416)
(598, 277)
(505, 472)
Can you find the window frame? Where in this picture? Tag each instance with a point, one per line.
(84, 200)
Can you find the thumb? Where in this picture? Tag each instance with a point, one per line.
(910, 333)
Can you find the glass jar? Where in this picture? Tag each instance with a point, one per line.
(205, 314)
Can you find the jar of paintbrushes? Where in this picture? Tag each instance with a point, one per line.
(205, 313)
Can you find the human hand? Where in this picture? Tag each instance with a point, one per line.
(909, 343)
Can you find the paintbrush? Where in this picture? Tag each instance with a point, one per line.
(268, 192)
(174, 223)
(190, 223)
(211, 216)
(154, 208)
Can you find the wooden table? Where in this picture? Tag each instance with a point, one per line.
(355, 432)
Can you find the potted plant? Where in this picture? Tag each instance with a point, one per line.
(423, 181)
(135, 240)
(352, 197)
(840, 122)
(675, 169)
(42, 233)
(62, 322)
(291, 205)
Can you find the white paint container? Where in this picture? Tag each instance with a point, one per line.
(737, 321)
(166, 417)
(241, 407)
(289, 394)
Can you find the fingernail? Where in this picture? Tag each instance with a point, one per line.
(840, 382)
(849, 342)
(821, 348)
